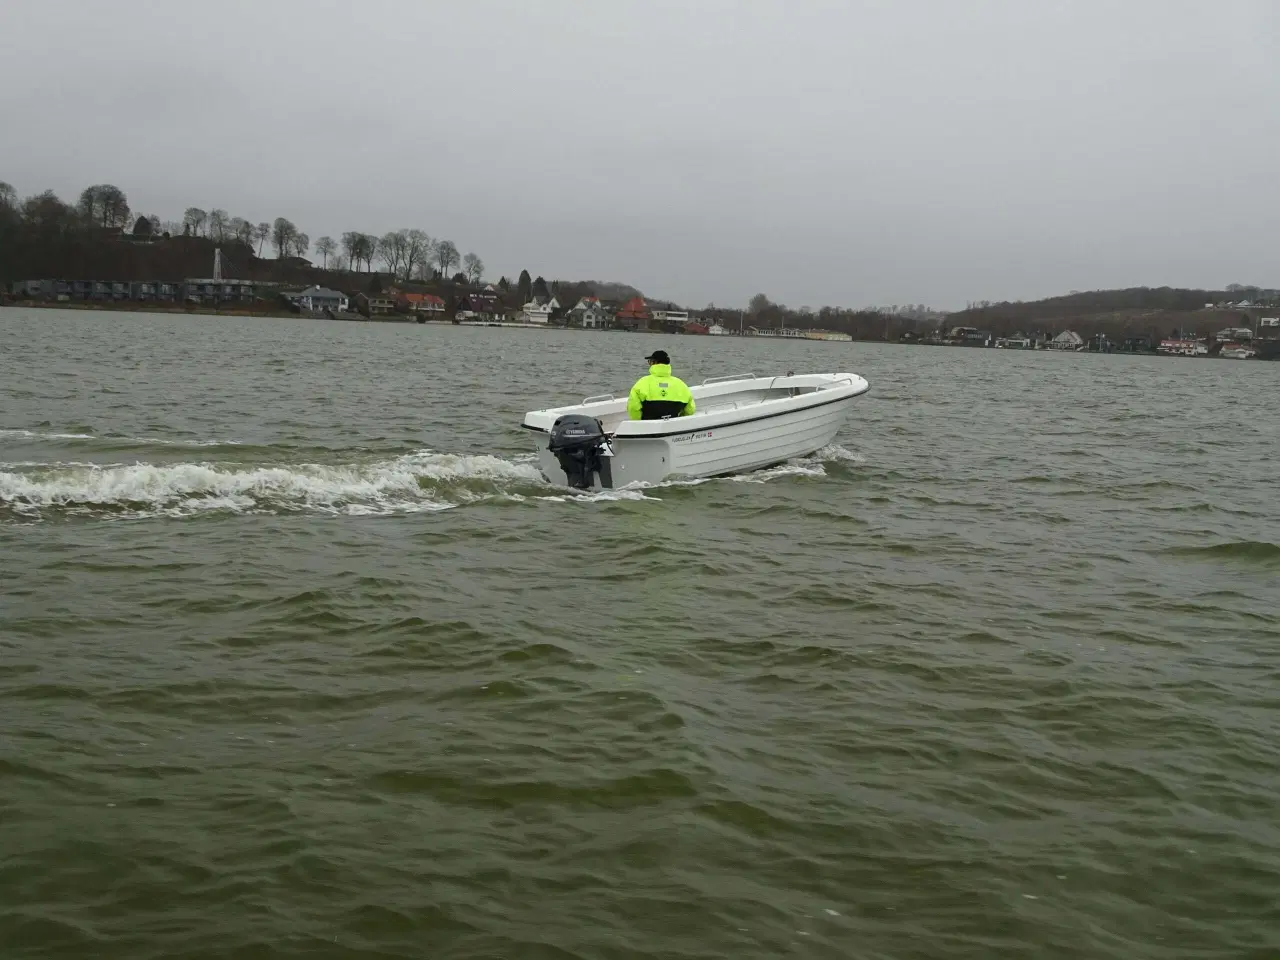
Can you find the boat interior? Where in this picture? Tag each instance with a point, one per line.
(716, 395)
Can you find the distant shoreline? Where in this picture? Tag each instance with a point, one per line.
(133, 307)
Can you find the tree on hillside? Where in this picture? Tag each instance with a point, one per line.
(474, 267)
(446, 256)
(262, 233)
(326, 248)
(301, 244)
(417, 251)
(242, 230)
(218, 220)
(359, 248)
(8, 196)
(540, 291)
(525, 286)
(283, 234)
(48, 217)
(350, 247)
(193, 220)
(156, 228)
(104, 205)
(391, 250)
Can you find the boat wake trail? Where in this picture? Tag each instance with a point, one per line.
(419, 482)
(413, 483)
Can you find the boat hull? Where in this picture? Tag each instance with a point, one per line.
(716, 450)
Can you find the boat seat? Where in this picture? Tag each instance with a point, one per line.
(660, 409)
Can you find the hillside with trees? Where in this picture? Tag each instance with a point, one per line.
(99, 238)
(1153, 312)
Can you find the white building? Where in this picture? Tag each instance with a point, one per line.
(535, 312)
(1067, 340)
(1234, 333)
(670, 316)
(319, 299)
(589, 314)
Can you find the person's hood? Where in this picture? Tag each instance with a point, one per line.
(660, 370)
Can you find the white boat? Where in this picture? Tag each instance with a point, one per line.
(742, 423)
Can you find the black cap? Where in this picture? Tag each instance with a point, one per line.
(659, 356)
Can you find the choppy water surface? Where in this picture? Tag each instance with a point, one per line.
(300, 658)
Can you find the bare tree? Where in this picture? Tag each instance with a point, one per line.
(218, 220)
(360, 248)
(8, 196)
(193, 220)
(326, 248)
(283, 234)
(301, 244)
(104, 205)
(262, 233)
(350, 247)
(156, 226)
(446, 255)
(242, 230)
(474, 267)
(391, 251)
(417, 249)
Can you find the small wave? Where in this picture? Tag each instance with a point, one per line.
(834, 453)
(35, 435)
(1246, 551)
(413, 483)
(116, 439)
(632, 492)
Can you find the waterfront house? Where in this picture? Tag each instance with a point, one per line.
(481, 305)
(633, 315)
(535, 312)
(670, 319)
(1184, 347)
(207, 290)
(316, 299)
(1067, 340)
(589, 313)
(375, 304)
(423, 304)
(1234, 333)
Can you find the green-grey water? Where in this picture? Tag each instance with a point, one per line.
(299, 658)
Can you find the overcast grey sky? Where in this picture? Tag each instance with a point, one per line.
(849, 153)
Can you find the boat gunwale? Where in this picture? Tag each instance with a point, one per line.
(791, 409)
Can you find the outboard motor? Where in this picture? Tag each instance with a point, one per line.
(579, 444)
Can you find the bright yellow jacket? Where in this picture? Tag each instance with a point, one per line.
(662, 387)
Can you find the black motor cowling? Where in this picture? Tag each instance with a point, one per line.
(579, 443)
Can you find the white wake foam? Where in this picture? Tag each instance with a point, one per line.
(414, 483)
(36, 435)
(144, 441)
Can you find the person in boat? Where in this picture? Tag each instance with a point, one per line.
(659, 395)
